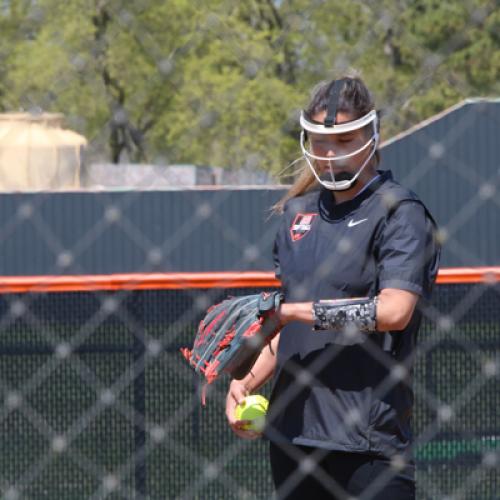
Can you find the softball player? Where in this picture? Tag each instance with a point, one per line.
(357, 256)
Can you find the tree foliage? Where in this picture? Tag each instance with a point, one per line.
(221, 82)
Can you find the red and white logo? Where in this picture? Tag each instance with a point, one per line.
(301, 225)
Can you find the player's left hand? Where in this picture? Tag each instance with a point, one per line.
(232, 334)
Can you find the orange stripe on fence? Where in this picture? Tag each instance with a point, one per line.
(179, 281)
(457, 275)
(136, 281)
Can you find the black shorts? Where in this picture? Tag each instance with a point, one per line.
(302, 472)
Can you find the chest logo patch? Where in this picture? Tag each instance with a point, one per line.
(301, 225)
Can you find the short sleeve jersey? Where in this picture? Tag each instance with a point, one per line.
(333, 389)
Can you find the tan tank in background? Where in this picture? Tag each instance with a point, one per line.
(36, 153)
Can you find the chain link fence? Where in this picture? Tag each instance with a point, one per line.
(98, 402)
(95, 399)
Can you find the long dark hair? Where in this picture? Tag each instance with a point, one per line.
(354, 99)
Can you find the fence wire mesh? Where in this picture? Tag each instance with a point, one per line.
(96, 400)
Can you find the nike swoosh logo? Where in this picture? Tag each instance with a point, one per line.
(352, 223)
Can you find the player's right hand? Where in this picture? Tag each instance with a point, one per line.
(235, 395)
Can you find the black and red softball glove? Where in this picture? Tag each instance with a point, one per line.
(232, 334)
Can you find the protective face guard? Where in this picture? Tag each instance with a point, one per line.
(320, 128)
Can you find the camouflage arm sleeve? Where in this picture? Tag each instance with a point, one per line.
(337, 314)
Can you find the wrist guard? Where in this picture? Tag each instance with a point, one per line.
(337, 314)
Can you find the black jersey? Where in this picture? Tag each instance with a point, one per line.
(334, 389)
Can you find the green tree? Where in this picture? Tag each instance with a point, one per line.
(13, 14)
(463, 38)
(221, 82)
(236, 94)
(106, 67)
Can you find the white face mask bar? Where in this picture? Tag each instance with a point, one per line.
(342, 128)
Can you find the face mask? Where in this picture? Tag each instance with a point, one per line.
(320, 132)
(341, 180)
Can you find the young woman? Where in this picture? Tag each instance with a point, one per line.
(355, 254)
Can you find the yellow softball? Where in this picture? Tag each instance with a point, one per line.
(253, 408)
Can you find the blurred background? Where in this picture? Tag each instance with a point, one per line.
(142, 146)
(220, 84)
